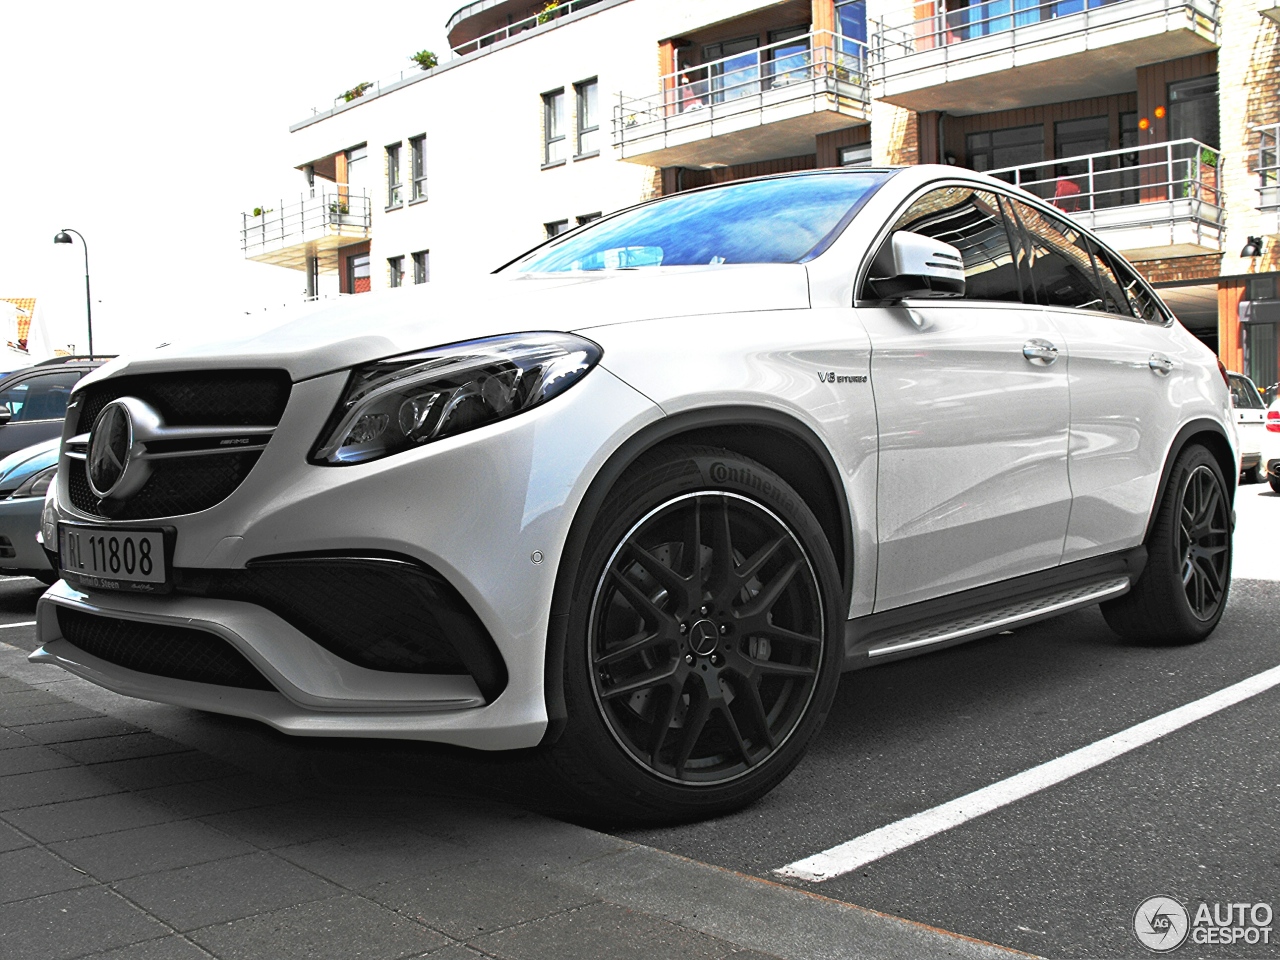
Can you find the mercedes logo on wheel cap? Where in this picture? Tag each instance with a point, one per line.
(115, 462)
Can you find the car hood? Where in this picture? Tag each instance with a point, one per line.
(18, 466)
(362, 328)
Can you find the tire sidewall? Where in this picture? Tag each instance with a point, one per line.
(656, 480)
(1187, 464)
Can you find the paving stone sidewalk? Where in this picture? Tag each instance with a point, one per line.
(137, 831)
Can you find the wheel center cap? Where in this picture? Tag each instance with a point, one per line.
(703, 638)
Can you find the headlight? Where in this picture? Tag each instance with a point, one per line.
(49, 519)
(406, 401)
(36, 485)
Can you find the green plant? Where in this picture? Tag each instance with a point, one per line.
(1208, 157)
(356, 91)
(549, 11)
(425, 59)
(336, 208)
(261, 211)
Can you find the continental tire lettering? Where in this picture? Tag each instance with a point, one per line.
(721, 472)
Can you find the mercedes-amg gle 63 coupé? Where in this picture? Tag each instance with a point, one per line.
(641, 496)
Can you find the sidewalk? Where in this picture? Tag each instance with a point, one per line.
(139, 831)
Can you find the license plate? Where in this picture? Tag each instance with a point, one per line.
(109, 558)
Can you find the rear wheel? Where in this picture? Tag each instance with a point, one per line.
(1182, 593)
(705, 640)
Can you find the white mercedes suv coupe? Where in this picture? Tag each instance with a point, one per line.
(639, 498)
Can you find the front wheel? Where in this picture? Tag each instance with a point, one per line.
(705, 640)
(1182, 592)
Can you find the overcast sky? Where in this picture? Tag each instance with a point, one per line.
(150, 128)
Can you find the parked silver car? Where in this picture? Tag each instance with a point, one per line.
(640, 498)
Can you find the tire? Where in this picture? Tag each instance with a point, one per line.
(694, 680)
(1274, 480)
(1183, 590)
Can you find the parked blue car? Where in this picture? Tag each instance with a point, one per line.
(24, 478)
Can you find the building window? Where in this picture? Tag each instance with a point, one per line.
(358, 273)
(587, 217)
(851, 19)
(422, 266)
(395, 267)
(393, 175)
(1011, 147)
(588, 117)
(418, 167)
(858, 155)
(553, 126)
(556, 227)
(1193, 110)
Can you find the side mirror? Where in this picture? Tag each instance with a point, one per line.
(913, 265)
(5, 414)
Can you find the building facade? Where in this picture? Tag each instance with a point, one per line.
(1153, 122)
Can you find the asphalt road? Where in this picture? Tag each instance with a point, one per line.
(1060, 873)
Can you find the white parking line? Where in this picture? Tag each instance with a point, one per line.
(24, 623)
(869, 847)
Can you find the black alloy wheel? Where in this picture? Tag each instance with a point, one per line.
(1183, 590)
(1204, 542)
(705, 640)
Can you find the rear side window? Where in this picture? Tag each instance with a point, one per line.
(1243, 394)
(1063, 270)
(971, 221)
(1141, 302)
(42, 397)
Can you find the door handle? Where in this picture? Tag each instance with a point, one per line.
(1160, 364)
(1040, 352)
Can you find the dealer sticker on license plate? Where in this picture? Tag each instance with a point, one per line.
(111, 558)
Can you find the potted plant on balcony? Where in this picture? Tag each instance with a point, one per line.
(425, 59)
(355, 92)
(548, 13)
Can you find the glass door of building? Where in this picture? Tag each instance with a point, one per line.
(734, 70)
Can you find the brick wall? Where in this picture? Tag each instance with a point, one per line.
(1204, 267)
(894, 135)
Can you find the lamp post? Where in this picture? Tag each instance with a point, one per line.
(88, 304)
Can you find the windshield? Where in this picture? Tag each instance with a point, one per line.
(760, 221)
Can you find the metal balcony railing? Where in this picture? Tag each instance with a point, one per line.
(817, 63)
(336, 210)
(947, 24)
(562, 9)
(1268, 167)
(1174, 170)
(1174, 185)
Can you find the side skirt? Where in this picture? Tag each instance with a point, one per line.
(982, 611)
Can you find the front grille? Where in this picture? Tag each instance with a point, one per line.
(177, 652)
(380, 613)
(177, 486)
(224, 398)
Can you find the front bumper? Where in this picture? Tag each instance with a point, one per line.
(488, 510)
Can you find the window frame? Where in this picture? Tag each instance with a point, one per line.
(553, 144)
(579, 98)
(395, 267)
(421, 266)
(418, 168)
(395, 185)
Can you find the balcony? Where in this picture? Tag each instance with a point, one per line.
(1002, 54)
(501, 19)
(1268, 170)
(764, 104)
(1148, 202)
(316, 226)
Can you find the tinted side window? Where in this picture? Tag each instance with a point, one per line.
(40, 398)
(1061, 263)
(971, 221)
(1141, 302)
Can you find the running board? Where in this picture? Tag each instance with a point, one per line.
(995, 619)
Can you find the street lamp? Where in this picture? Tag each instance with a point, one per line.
(88, 304)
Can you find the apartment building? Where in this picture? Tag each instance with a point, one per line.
(1153, 122)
